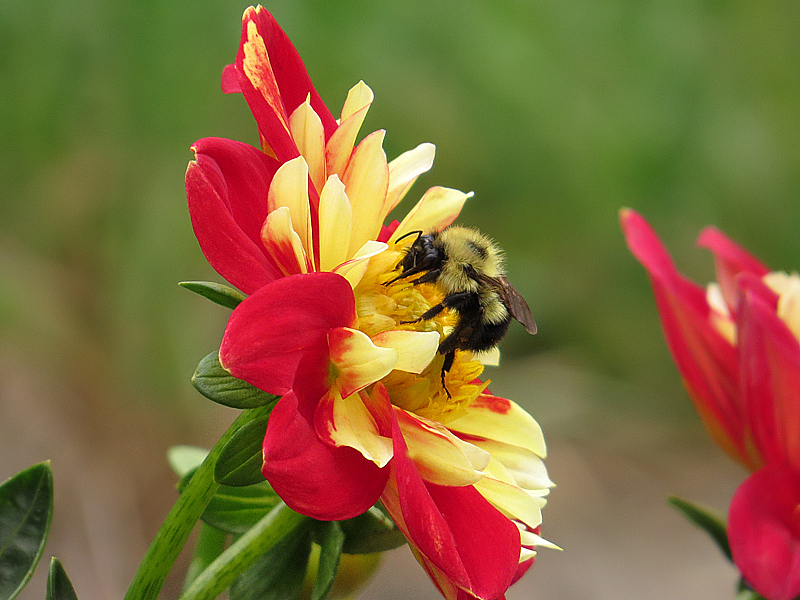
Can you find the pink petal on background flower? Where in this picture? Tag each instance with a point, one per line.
(770, 371)
(313, 478)
(357, 360)
(230, 80)
(764, 531)
(285, 322)
(454, 529)
(282, 243)
(340, 145)
(306, 128)
(730, 259)
(366, 181)
(404, 170)
(437, 208)
(705, 359)
(226, 188)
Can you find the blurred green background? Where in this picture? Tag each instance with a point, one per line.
(555, 114)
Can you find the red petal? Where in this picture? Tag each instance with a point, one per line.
(764, 531)
(283, 85)
(226, 188)
(770, 363)
(285, 322)
(453, 528)
(230, 80)
(315, 479)
(705, 359)
(730, 260)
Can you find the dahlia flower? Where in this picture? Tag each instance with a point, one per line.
(364, 414)
(737, 347)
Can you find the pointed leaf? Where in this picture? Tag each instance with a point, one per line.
(706, 520)
(26, 508)
(240, 462)
(215, 383)
(331, 540)
(237, 509)
(210, 544)
(216, 292)
(59, 587)
(278, 574)
(371, 532)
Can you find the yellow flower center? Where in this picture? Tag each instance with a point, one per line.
(383, 306)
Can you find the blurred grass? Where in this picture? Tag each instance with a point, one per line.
(555, 113)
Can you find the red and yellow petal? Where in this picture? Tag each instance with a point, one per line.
(356, 360)
(282, 323)
(437, 209)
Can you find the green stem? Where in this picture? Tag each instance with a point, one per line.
(170, 539)
(220, 574)
(210, 544)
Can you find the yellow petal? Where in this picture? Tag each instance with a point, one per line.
(366, 181)
(289, 188)
(501, 420)
(436, 210)
(309, 136)
(353, 270)
(404, 170)
(282, 243)
(358, 361)
(523, 467)
(340, 145)
(415, 349)
(353, 425)
(440, 457)
(335, 222)
(528, 538)
(512, 501)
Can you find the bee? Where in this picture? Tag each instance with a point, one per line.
(468, 268)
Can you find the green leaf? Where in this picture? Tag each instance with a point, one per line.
(59, 587)
(331, 541)
(26, 508)
(706, 520)
(210, 545)
(371, 532)
(240, 462)
(278, 574)
(216, 292)
(216, 384)
(236, 509)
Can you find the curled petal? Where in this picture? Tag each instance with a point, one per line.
(309, 136)
(340, 146)
(764, 531)
(285, 322)
(353, 270)
(770, 371)
(223, 185)
(512, 500)
(704, 356)
(415, 349)
(348, 422)
(493, 418)
(282, 243)
(437, 208)
(290, 189)
(357, 360)
(440, 457)
(312, 477)
(404, 170)
(730, 259)
(366, 181)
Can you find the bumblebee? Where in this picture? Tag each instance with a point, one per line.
(468, 268)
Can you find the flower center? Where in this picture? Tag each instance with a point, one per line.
(381, 307)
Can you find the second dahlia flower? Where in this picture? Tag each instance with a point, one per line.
(364, 414)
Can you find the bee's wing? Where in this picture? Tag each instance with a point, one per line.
(515, 303)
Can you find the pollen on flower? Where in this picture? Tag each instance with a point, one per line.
(383, 306)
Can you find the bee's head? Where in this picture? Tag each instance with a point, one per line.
(421, 256)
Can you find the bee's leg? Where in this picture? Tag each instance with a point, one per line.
(428, 277)
(446, 366)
